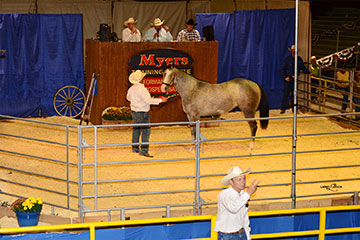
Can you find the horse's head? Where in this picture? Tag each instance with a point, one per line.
(168, 79)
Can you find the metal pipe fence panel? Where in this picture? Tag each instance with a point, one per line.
(99, 174)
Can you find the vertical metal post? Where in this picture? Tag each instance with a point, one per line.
(322, 224)
(356, 198)
(337, 49)
(293, 168)
(67, 168)
(122, 214)
(351, 91)
(168, 211)
(197, 167)
(80, 182)
(95, 167)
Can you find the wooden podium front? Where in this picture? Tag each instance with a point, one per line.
(110, 62)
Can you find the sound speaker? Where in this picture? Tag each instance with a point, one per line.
(208, 33)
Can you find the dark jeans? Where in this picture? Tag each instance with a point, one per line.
(232, 236)
(356, 100)
(314, 88)
(288, 92)
(144, 131)
(345, 98)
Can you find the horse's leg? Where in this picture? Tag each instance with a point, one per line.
(192, 129)
(253, 129)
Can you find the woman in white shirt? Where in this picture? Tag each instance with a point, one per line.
(131, 33)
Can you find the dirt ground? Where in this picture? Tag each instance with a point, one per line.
(134, 166)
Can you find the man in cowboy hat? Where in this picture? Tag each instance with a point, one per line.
(232, 220)
(287, 73)
(130, 32)
(158, 33)
(140, 101)
(189, 34)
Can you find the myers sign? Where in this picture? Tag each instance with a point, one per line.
(154, 62)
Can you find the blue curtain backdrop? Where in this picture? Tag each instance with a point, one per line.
(43, 54)
(253, 46)
(197, 230)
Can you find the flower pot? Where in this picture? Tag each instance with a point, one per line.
(117, 122)
(26, 219)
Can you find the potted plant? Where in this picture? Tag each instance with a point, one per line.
(116, 115)
(27, 211)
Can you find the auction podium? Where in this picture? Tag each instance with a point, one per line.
(110, 63)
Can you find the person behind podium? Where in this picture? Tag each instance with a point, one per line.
(189, 34)
(131, 33)
(140, 101)
(158, 33)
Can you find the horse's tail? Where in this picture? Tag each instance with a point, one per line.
(264, 108)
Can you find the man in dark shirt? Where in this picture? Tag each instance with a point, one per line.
(287, 73)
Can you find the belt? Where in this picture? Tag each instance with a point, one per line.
(241, 231)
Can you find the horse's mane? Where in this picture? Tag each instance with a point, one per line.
(184, 73)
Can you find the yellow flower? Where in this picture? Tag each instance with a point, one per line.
(25, 208)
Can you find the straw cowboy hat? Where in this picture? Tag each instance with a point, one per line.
(130, 20)
(233, 172)
(157, 22)
(136, 76)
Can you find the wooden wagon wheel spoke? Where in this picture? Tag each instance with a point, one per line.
(69, 101)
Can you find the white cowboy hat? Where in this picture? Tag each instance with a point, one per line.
(136, 76)
(130, 20)
(313, 57)
(233, 172)
(158, 22)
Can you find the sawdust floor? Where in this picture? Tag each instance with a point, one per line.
(134, 166)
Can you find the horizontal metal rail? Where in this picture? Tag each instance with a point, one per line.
(37, 174)
(37, 157)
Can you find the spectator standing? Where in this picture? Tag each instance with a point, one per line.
(343, 81)
(232, 222)
(314, 71)
(140, 101)
(287, 73)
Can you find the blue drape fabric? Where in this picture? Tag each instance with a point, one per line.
(253, 46)
(199, 230)
(43, 54)
(223, 24)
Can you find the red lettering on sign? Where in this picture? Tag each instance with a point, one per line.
(160, 61)
(169, 61)
(177, 59)
(185, 61)
(147, 60)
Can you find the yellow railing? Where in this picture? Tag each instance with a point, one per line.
(321, 232)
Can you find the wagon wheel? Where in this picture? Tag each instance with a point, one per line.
(69, 101)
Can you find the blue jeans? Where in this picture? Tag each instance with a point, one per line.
(232, 236)
(144, 131)
(288, 92)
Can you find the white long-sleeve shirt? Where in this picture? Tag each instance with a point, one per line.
(140, 98)
(232, 213)
(164, 35)
(128, 37)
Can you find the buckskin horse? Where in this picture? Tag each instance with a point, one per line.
(200, 98)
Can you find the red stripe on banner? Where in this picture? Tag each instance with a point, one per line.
(153, 85)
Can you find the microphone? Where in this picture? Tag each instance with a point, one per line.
(158, 33)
